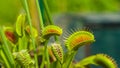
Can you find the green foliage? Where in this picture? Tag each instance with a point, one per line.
(23, 58)
(98, 60)
(5, 48)
(19, 24)
(83, 6)
(9, 9)
(30, 46)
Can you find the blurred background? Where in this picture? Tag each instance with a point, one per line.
(102, 17)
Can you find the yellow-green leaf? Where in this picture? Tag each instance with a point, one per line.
(20, 24)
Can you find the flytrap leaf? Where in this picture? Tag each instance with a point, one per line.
(105, 61)
(99, 60)
(35, 32)
(23, 58)
(78, 39)
(52, 56)
(5, 48)
(10, 34)
(51, 30)
(20, 24)
(58, 51)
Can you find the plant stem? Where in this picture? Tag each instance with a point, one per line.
(68, 61)
(43, 61)
(47, 11)
(45, 56)
(40, 15)
(6, 63)
(71, 58)
(6, 49)
(86, 61)
(32, 38)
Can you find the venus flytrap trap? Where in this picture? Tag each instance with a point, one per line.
(27, 29)
(58, 52)
(51, 30)
(19, 46)
(5, 49)
(23, 58)
(11, 34)
(78, 39)
(20, 24)
(47, 32)
(51, 54)
(105, 61)
(99, 60)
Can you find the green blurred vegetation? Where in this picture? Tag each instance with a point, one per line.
(9, 9)
(84, 6)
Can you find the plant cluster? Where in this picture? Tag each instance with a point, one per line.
(23, 47)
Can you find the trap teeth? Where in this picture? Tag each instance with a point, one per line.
(23, 58)
(58, 51)
(105, 61)
(51, 30)
(78, 39)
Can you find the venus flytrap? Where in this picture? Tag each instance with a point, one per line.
(99, 60)
(23, 32)
(23, 58)
(76, 40)
(25, 2)
(20, 24)
(27, 48)
(51, 30)
(47, 32)
(35, 32)
(105, 61)
(52, 56)
(58, 52)
(50, 22)
(6, 49)
(11, 37)
(10, 34)
(42, 27)
(20, 30)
